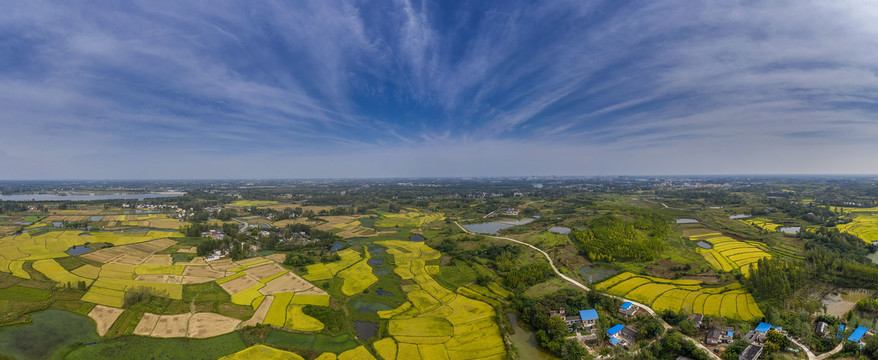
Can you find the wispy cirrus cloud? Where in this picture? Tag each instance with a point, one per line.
(318, 82)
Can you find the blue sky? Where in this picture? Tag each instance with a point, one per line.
(303, 89)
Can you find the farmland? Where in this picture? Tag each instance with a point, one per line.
(864, 226)
(435, 319)
(762, 224)
(406, 218)
(691, 296)
(729, 254)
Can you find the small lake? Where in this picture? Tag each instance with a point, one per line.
(595, 273)
(86, 197)
(57, 224)
(841, 301)
(495, 226)
(96, 218)
(365, 329)
(739, 216)
(336, 247)
(704, 244)
(381, 292)
(559, 230)
(416, 237)
(78, 250)
(687, 221)
(49, 332)
(368, 307)
(378, 261)
(790, 229)
(526, 342)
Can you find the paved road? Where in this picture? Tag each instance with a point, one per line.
(581, 286)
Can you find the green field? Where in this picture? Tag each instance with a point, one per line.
(49, 332)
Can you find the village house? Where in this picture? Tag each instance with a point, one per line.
(584, 320)
(509, 211)
(213, 234)
(752, 352)
(697, 320)
(719, 336)
(628, 309)
(822, 328)
(620, 335)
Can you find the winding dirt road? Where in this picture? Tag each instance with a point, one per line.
(586, 288)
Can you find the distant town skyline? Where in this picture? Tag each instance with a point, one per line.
(355, 89)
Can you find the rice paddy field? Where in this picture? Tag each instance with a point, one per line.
(730, 301)
(435, 322)
(345, 226)
(729, 254)
(863, 226)
(762, 224)
(411, 218)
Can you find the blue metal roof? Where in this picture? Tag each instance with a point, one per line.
(614, 341)
(763, 327)
(730, 333)
(858, 334)
(626, 305)
(590, 314)
(615, 329)
(840, 331)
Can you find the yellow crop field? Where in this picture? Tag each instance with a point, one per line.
(386, 348)
(262, 352)
(326, 271)
(89, 271)
(247, 297)
(277, 313)
(407, 218)
(53, 244)
(16, 268)
(464, 328)
(663, 294)
(846, 209)
(299, 321)
(104, 296)
(159, 270)
(626, 286)
(358, 353)
(863, 226)
(251, 203)
(56, 272)
(729, 254)
(357, 278)
(762, 223)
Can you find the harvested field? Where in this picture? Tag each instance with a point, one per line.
(203, 271)
(160, 259)
(205, 325)
(170, 326)
(223, 265)
(260, 313)
(169, 279)
(264, 271)
(277, 257)
(104, 317)
(239, 284)
(146, 325)
(288, 282)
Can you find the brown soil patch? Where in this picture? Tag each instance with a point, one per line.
(288, 282)
(103, 255)
(264, 271)
(170, 279)
(202, 271)
(312, 291)
(146, 325)
(205, 325)
(196, 279)
(170, 326)
(223, 264)
(104, 316)
(163, 259)
(259, 315)
(240, 284)
(191, 250)
(133, 259)
(277, 257)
